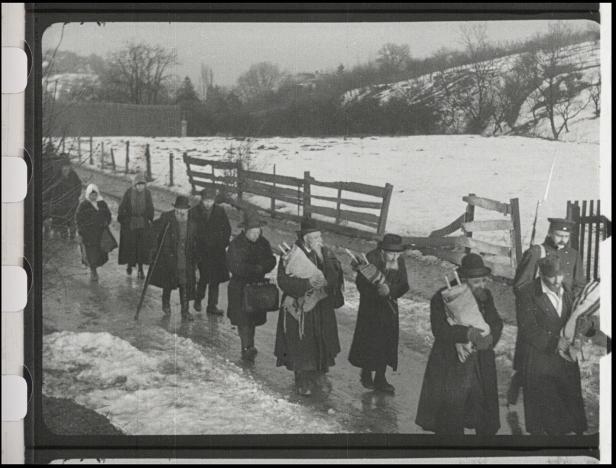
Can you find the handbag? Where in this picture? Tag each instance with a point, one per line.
(108, 242)
(261, 297)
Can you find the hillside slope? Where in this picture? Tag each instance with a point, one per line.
(447, 94)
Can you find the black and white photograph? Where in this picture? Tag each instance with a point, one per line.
(383, 227)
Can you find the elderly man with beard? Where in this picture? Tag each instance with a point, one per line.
(556, 244)
(176, 235)
(456, 395)
(309, 346)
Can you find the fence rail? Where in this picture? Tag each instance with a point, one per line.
(299, 193)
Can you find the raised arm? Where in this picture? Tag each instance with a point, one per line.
(525, 272)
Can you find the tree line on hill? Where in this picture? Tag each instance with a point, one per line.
(266, 101)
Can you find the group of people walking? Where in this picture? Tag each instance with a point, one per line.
(457, 393)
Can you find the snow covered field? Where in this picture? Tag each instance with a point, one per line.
(430, 174)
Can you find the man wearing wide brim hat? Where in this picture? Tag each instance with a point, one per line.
(176, 244)
(249, 258)
(62, 198)
(553, 403)
(308, 344)
(556, 244)
(375, 340)
(457, 394)
(213, 239)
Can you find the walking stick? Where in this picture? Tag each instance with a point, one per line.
(150, 270)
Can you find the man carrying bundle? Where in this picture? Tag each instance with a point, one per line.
(556, 244)
(553, 403)
(307, 333)
(460, 389)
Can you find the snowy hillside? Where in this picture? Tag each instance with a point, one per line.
(446, 92)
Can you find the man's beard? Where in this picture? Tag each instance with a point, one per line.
(480, 293)
(318, 249)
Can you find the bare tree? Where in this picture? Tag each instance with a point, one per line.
(559, 80)
(595, 93)
(393, 57)
(478, 95)
(139, 73)
(259, 81)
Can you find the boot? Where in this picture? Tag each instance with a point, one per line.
(249, 353)
(140, 273)
(93, 275)
(186, 315)
(167, 303)
(366, 379)
(197, 305)
(301, 384)
(129, 270)
(382, 385)
(214, 311)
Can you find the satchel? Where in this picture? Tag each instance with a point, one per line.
(108, 242)
(261, 297)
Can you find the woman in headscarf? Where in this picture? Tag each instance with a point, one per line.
(135, 215)
(93, 217)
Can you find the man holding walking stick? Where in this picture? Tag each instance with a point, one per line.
(175, 254)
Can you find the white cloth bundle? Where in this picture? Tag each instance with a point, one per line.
(586, 305)
(298, 265)
(462, 309)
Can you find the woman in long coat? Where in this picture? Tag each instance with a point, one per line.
(63, 198)
(249, 259)
(93, 217)
(375, 341)
(457, 395)
(135, 214)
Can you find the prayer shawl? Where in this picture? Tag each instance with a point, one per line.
(298, 265)
(462, 309)
(586, 305)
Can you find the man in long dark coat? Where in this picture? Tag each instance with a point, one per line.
(375, 341)
(214, 237)
(135, 215)
(310, 350)
(249, 259)
(556, 244)
(63, 198)
(553, 403)
(176, 241)
(457, 395)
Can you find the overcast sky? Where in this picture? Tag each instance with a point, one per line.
(230, 48)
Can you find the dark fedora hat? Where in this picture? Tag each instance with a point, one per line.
(472, 267)
(307, 226)
(392, 243)
(251, 219)
(181, 202)
(550, 266)
(561, 224)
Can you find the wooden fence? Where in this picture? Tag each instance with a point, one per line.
(502, 259)
(299, 192)
(592, 227)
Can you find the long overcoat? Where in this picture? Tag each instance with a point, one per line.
(573, 277)
(63, 198)
(130, 252)
(248, 262)
(553, 401)
(90, 225)
(165, 271)
(375, 341)
(450, 386)
(214, 238)
(319, 346)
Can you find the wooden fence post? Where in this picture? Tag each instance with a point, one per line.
(597, 240)
(273, 199)
(338, 206)
(102, 155)
(170, 169)
(516, 247)
(240, 180)
(385, 209)
(469, 216)
(79, 147)
(589, 252)
(126, 160)
(190, 177)
(582, 232)
(307, 213)
(113, 164)
(91, 152)
(573, 213)
(148, 163)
